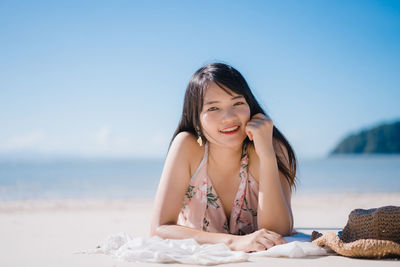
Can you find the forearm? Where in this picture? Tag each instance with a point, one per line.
(202, 237)
(274, 213)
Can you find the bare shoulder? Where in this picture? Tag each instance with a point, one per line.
(174, 180)
(185, 144)
(185, 138)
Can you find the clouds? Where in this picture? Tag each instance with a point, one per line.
(103, 136)
(102, 141)
(26, 141)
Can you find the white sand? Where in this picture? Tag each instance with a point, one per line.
(47, 232)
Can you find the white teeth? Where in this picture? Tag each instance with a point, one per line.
(230, 129)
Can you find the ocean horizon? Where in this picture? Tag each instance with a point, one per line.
(60, 178)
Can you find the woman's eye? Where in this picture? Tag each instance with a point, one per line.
(238, 103)
(212, 109)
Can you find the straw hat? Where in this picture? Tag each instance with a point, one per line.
(372, 233)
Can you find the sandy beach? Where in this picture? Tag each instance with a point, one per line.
(48, 232)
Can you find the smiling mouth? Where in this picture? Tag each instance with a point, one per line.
(230, 130)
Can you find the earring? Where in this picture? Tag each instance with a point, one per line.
(199, 140)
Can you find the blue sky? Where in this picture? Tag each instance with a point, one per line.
(107, 78)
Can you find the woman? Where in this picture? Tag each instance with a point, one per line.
(229, 172)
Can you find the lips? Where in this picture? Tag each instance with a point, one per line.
(230, 130)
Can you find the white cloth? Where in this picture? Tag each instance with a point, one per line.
(188, 251)
(294, 249)
(155, 249)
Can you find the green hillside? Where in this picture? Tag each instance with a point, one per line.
(384, 138)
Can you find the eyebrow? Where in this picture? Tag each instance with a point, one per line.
(213, 102)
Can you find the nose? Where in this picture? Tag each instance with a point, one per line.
(228, 115)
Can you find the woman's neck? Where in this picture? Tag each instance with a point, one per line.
(228, 157)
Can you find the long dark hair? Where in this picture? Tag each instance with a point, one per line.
(222, 74)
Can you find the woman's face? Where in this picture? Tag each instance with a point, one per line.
(224, 117)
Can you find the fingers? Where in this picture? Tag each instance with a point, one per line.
(258, 121)
(278, 239)
(251, 126)
(261, 116)
(248, 131)
(258, 115)
(267, 239)
(272, 233)
(263, 244)
(249, 134)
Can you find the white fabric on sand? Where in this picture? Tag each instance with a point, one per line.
(294, 249)
(188, 251)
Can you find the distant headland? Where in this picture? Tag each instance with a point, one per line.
(382, 139)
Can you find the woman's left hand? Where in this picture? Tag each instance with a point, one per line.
(259, 130)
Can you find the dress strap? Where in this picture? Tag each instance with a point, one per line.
(203, 161)
(240, 199)
(205, 157)
(244, 150)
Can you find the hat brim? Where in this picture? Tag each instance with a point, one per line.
(362, 248)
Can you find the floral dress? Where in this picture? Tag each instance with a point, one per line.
(202, 209)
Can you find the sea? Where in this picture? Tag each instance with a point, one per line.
(133, 178)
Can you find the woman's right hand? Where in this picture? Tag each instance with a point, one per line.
(258, 241)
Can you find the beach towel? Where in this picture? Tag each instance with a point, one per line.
(187, 251)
